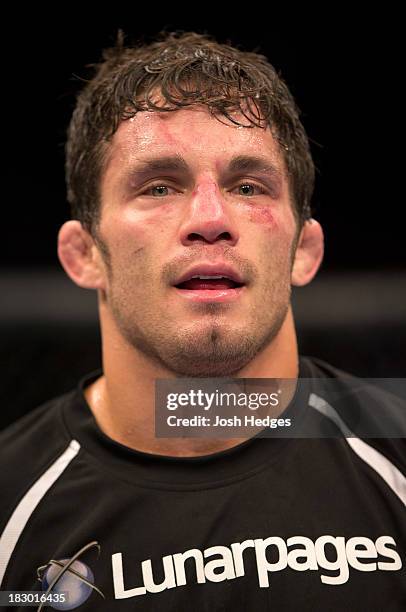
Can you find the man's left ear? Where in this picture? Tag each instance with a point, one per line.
(309, 253)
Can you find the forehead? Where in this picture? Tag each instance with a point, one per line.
(193, 133)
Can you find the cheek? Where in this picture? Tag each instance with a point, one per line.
(264, 216)
(157, 219)
(274, 229)
(277, 223)
(134, 232)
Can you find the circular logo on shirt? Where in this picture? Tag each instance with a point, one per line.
(77, 581)
(69, 576)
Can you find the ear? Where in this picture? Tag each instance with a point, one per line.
(80, 257)
(309, 253)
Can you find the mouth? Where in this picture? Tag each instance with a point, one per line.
(213, 285)
(208, 283)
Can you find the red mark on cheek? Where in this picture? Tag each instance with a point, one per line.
(262, 215)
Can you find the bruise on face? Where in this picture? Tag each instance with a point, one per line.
(161, 138)
(263, 215)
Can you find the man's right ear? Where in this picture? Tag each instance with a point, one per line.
(80, 256)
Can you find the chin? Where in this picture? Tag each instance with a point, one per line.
(206, 368)
(213, 352)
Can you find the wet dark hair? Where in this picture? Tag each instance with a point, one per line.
(187, 69)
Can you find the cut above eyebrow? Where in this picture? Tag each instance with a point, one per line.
(176, 163)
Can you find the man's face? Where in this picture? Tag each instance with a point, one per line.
(185, 195)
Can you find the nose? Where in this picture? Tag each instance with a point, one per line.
(208, 219)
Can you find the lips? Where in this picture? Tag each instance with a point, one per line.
(212, 282)
(210, 276)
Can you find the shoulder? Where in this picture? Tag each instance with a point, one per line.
(42, 423)
(29, 446)
(372, 409)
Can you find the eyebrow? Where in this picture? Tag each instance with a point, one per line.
(252, 163)
(177, 164)
(173, 163)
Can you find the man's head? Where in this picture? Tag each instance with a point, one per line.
(186, 70)
(186, 158)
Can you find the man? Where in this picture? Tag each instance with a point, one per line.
(190, 179)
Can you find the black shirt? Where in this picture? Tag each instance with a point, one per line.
(272, 524)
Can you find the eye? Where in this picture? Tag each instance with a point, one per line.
(247, 189)
(161, 190)
(157, 190)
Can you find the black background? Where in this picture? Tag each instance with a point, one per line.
(346, 73)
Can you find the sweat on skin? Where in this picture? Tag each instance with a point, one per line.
(174, 195)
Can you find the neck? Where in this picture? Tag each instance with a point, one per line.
(122, 400)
